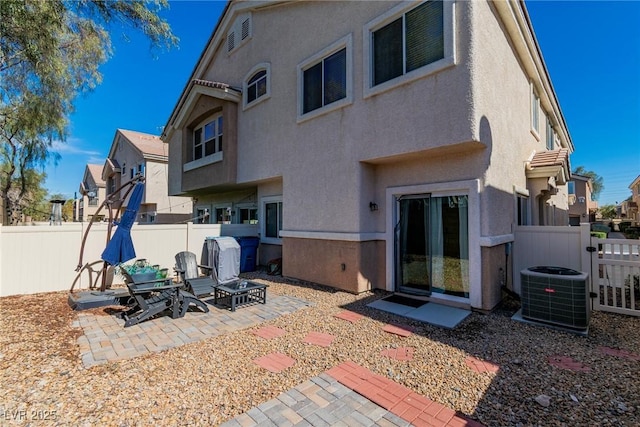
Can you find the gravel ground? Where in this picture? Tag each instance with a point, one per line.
(211, 381)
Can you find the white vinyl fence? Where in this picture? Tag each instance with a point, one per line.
(44, 258)
(613, 265)
(552, 246)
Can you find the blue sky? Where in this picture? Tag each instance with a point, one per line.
(591, 49)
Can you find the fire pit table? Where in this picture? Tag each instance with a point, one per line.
(237, 294)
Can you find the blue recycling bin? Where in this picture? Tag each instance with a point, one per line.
(248, 252)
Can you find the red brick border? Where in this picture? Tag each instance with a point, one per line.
(398, 399)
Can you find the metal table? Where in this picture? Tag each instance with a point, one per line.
(240, 293)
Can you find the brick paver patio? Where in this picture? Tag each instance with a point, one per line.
(106, 339)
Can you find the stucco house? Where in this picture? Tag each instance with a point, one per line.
(378, 144)
(581, 206)
(92, 193)
(136, 153)
(633, 214)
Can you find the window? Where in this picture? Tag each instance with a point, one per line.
(141, 169)
(257, 86)
(522, 209)
(412, 41)
(124, 169)
(223, 216)
(571, 187)
(248, 215)
(273, 219)
(207, 138)
(408, 43)
(133, 171)
(535, 112)
(202, 216)
(93, 201)
(325, 80)
(550, 136)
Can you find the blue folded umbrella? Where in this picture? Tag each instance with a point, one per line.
(120, 247)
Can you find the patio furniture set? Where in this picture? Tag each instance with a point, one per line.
(151, 295)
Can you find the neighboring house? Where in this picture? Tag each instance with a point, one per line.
(581, 206)
(92, 194)
(135, 153)
(390, 145)
(632, 211)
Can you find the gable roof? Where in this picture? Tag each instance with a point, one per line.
(146, 143)
(93, 172)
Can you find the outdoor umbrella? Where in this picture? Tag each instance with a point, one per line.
(120, 247)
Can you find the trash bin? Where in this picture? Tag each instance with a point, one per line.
(248, 252)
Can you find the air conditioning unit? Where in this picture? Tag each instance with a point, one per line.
(556, 295)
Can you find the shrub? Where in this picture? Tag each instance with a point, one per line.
(599, 234)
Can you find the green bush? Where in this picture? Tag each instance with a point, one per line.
(599, 234)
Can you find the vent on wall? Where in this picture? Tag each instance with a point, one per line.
(556, 295)
(242, 28)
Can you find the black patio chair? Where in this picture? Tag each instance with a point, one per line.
(187, 268)
(153, 297)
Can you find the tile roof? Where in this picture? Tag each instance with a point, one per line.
(551, 158)
(146, 143)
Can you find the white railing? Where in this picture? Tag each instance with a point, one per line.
(616, 275)
(44, 258)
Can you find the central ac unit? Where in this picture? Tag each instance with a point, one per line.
(556, 295)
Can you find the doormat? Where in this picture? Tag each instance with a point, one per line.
(399, 299)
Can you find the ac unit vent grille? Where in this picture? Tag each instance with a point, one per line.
(556, 298)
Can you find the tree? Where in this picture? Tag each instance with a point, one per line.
(608, 211)
(597, 182)
(50, 52)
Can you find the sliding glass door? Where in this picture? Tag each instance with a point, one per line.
(432, 245)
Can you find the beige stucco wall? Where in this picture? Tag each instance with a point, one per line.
(470, 121)
(350, 266)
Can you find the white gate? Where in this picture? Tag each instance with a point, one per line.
(615, 275)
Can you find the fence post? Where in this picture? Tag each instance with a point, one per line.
(585, 241)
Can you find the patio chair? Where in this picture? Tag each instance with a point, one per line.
(187, 267)
(154, 297)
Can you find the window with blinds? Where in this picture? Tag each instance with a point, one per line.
(412, 41)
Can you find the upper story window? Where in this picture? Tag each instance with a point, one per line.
(239, 32)
(141, 169)
(535, 112)
(325, 80)
(408, 43)
(571, 187)
(550, 135)
(257, 85)
(207, 138)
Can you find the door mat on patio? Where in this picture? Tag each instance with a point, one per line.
(402, 300)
